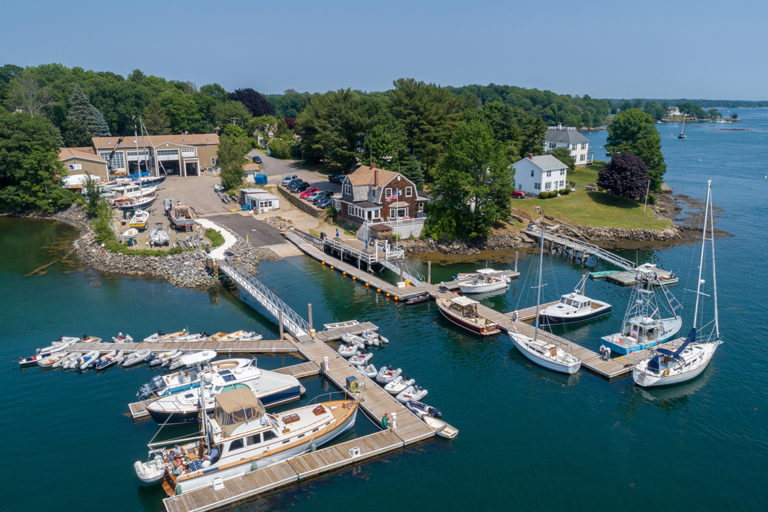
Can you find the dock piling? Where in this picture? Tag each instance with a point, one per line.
(429, 270)
(309, 313)
(280, 323)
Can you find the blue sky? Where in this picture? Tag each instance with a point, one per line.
(613, 49)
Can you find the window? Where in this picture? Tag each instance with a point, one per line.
(532, 171)
(118, 159)
(387, 193)
(582, 158)
(269, 435)
(167, 152)
(552, 145)
(348, 189)
(350, 209)
(236, 445)
(537, 186)
(549, 174)
(562, 183)
(408, 192)
(254, 439)
(376, 214)
(421, 207)
(562, 172)
(548, 185)
(214, 161)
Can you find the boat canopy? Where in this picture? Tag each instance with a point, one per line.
(236, 407)
(676, 354)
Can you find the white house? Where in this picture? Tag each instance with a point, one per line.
(259, 199)
(568, 137)
(537, 174)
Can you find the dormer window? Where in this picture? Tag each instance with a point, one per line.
(348, 188)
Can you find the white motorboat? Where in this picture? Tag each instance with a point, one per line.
(412, 393)
(421, 409)
(353, 339)
(440, 427)
(652, 274)
(138, 357)
(72, 361)
(665, 367)
(235, 336)
(48, 362)
(347, 350)
(195, 358)
(361, 358)
(158, 235)
(574, 307)
(538, 351)
(164, 357)
(108, 359)
(222, 453)
(88, 359)
(122, 338)
(161, 336)
(176, 382)
(67, 357)
(271, 388)
(369, 371)
(483, 283)
(643, 325)
(139, 219)
(399, 384)
(387, 374)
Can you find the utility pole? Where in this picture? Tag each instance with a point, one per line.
(647, 189)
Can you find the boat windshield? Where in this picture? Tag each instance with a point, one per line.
(235, 407)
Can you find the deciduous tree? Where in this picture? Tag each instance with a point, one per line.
(625, 175)
(233, 145)
(155, 121)
(256, 104)
(635, 131)
(27, 95)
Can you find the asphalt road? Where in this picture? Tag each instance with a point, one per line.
(258, 232)
(276, 170)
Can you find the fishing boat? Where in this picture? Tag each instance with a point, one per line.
(665, 367)
(483, 283)
(361, 358)
(162, 385)
(138, 357)
(271, 388)
(643, 325)
(399, 384)
(139, 219)
(574, 307)
(240, 437)
(369, 371)
(387, 374)
(182, 217)
(158, 235)
(421, 409)
(538, 351)
(462, 311)
(411, 393)
(195, 358)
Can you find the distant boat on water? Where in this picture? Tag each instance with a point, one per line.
(682, 133)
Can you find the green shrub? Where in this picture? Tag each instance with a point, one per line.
(214, 236)
(651, 199)
(565, 191)
(547, 195)
(280, 148)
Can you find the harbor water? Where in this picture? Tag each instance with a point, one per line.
(530, 439)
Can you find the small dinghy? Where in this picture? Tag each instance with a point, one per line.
(88, 358)
(137, 357)
(175, 354)
(353, 339)
(193, 359)
(163, 357)
(417, 300)
(371, 338)
(71, 361)
(421, 409)
(52, 359)
(105, 361)
(383, 340)
(158, 236)
(399, 384)
(440, 427)
(387, 374)
(369, 371)
(347, 350)
(238, 336)
(412, 393)
(122, 338)
(361, 358)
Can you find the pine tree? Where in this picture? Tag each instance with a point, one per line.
(81, 111)
(155, 120)
(414, 172)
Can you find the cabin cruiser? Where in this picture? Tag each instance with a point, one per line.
(240, 437)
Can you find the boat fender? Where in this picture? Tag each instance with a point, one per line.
(666, 372)
(385, 421)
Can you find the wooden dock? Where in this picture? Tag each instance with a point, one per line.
(374, 401)
(223, 348)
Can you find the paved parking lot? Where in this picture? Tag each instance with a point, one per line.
(276, 169)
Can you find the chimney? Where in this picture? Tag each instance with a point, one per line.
(373, 165)
(530, 156)
(375, 175)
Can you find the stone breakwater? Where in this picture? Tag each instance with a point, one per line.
(186, 269)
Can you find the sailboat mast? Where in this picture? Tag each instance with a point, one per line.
(712, 244)
(538, 288)
(138, 158)
(701, 256)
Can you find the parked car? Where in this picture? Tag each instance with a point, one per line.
(289, 178)
(325, 202)
(302, 186)
(319, 196)
(308, 192)
(294, 184)
(336, 178)
(256, 159)
(518, 194)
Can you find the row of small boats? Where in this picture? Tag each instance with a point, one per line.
(100, 360)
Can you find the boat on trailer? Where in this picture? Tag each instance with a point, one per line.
(240, 437)
(462, 311)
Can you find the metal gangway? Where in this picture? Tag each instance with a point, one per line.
(582, 246)
(411, 275)
(292, 321)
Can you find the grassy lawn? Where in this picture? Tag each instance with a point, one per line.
(593, 208)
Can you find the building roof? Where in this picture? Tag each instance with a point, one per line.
(566, 134)
(367, 204)
(544, 162)
(190, 139)
(373, 176)
(80, 153)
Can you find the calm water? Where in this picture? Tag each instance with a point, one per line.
(529, 439)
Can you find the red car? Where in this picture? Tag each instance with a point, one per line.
(308, 192)
(518, 194)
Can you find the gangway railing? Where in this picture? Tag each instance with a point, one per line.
(411, 275)
(292, 321)
(598, 252)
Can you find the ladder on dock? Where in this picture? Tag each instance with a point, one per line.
(584, 247)
(293, 322)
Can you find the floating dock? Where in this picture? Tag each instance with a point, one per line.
(374, 401)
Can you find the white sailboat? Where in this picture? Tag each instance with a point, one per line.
(682, 133)
(665, 367)
(538, 351)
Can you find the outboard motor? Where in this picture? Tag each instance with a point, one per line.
(154, 386)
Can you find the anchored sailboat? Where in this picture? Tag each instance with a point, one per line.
(665, 367)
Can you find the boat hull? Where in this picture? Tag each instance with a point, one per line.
(544, 363)
(649, 380)
(468, 325)
(483, 288)
(549, 319)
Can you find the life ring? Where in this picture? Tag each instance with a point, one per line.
(666, 372)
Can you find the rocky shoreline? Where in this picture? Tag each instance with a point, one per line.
(187, 269)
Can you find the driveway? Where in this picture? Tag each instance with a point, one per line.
(276, 169)
(258, 232)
